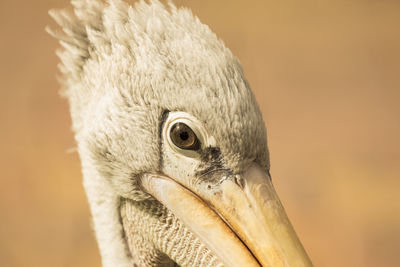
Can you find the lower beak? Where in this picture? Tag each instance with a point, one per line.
(241, 219)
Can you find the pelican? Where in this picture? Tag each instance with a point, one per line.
(172, 142)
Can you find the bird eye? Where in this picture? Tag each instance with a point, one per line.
(183, 137)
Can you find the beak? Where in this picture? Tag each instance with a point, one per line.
(241, 219)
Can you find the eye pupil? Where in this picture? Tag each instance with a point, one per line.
(183, 137)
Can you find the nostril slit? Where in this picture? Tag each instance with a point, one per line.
(239, 181)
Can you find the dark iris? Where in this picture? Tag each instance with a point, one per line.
(184, 137)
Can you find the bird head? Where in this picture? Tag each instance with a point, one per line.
(163, 115)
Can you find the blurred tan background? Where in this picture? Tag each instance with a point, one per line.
(327, 77)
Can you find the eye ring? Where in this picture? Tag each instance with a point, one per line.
(183, 137)
(203, 139)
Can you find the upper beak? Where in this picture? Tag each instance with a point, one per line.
(241, 219)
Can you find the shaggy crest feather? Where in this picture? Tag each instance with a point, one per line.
(97, 29)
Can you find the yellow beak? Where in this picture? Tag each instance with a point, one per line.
(241, 219)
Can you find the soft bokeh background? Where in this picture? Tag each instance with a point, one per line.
(327, 77)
